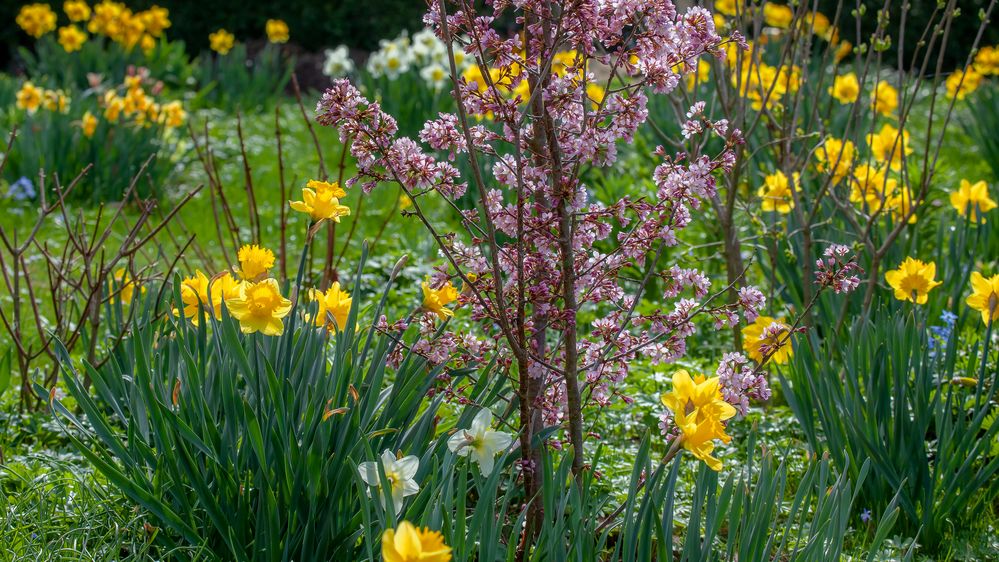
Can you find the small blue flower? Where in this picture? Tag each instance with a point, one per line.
(865, 515)
(940, 335)
(21, 190)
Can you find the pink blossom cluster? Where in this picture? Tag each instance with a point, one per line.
(537, 228)
(837, 270)
(741, 382)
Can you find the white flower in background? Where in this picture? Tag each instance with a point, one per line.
(338, 62)
(427, 47)
(376, 64)
(399, 473)
(435, 75)
(396, 62)
(480, 442)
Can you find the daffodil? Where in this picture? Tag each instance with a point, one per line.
(699, 412)
(985, 296)
(197, 294)
(155, 20)
(277, 31)
(890, 146)
(480, 442)
(36, 19)
(776, 192)
(400, 474)
(221, 41)
(845, 88)
(835, 156)
(768, 336)
(254, 261)
(223, 287)
(913, 280)
(961, 83)
(259, 307)
(320, 200)
(870, 187)
(406, 543)
(972, 200)
(76, 10)
(334, 307)
(436, 300)
(123, 287)
(28, 98)
(777, 15)
(71, 38)
(173, 114)
(987, 60)
(88, 124)
(727, 7)
(884, 98)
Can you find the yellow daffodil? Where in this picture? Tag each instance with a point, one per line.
(28, 98)
(221, 41)
(259, 307)
(727, 7)
(596, 93)
(819, 24)
(113, 109)
(155, 20)
(987, 61)
(222, 288)
(913, 280)
(985, 296)
(845, 88)
(899, 203)
(844, 50)
(835, 157)
(334, 307)
(320, 200)
(973, 199)
(107, 18)
(76, 10)
(776, 192)
(777, 15)
(55, 100)
(436, 300)
(698, 412)
(254, 261)
(123, 287)
(884, 98)
(147, 43)
(407, 543)
(870, 187)
(88, 124)
(71, 38)
(277, 31)
(36, 19)
(194, 295)
(694, 79)
(888, 145)
(173, 114)
(768, 336)
(961, 83)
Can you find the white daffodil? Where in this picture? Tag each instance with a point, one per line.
(399, 473)
(338, 62)
(480, 442)
(436, 76)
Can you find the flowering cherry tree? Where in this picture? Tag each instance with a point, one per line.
(538, 249)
